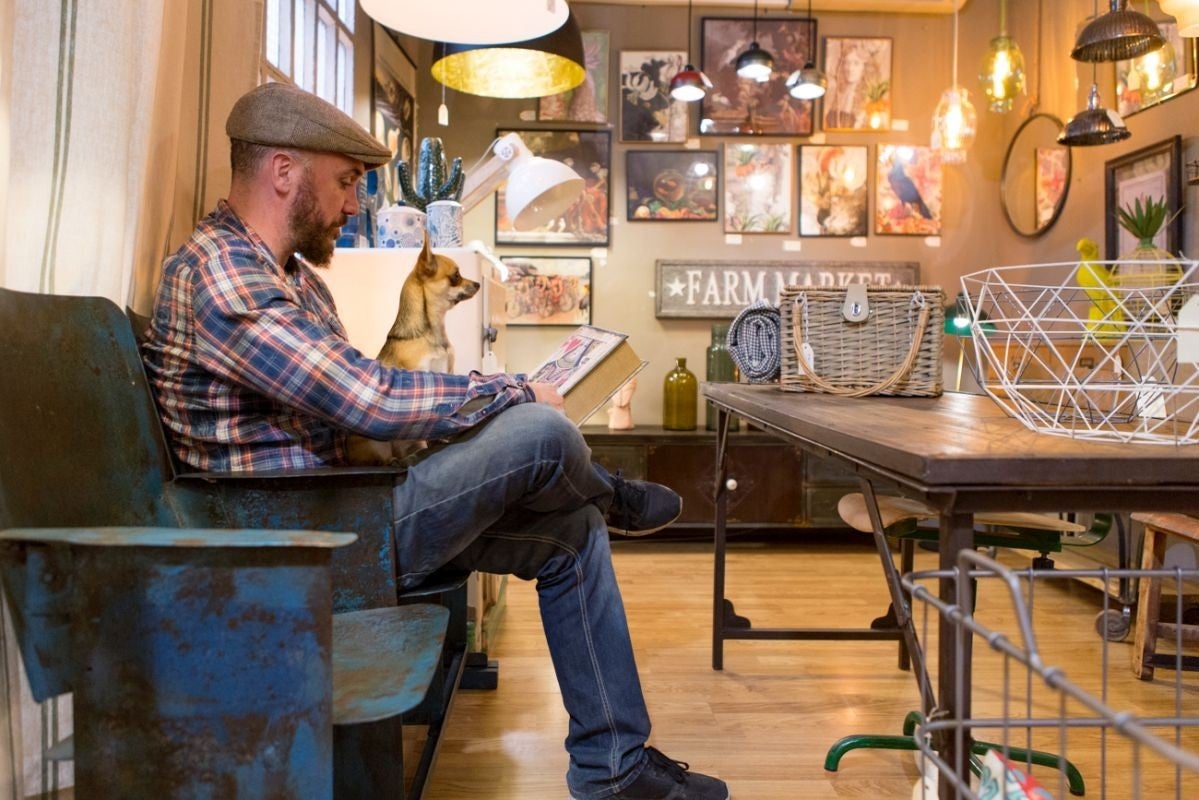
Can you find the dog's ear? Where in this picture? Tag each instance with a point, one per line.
(426, 262)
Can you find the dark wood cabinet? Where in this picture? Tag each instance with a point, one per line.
(775, 485)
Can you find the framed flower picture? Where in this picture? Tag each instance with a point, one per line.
(858, 97)
(757, 188)
(647, 111)
(548, 290)
(907, 198)
(671, 185)
(736, 106)
(586, 221)
(588, 102)
(1153, 172)
(833, 190)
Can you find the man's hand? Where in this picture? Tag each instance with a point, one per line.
(548, 393)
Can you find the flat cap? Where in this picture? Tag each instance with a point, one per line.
(282, 115)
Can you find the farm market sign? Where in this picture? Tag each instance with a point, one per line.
(720, 289)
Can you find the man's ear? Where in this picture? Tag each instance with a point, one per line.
(285, 170)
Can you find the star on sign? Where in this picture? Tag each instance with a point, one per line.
(676, 287)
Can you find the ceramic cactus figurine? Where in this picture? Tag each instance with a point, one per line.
(432, 182)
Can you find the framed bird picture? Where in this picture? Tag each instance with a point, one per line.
(907, 196)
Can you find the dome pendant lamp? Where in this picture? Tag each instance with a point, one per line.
(755, 64)
(809, 82)
(469, 21)
(689, 84)
(1118, 35)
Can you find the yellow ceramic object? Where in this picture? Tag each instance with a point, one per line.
(1105, 312)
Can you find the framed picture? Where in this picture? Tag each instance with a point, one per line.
(1149, 80)
(588, 102)
(1053, 170)
(647, 111)
(858, 97)
(1154, 171)
(393, 107)
(757, 188)
(586, 221)
(833, 190)
(548, 290)
(907, 196)
(736, 106)
(671, 185)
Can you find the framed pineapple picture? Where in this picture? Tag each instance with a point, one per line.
(1153, 173)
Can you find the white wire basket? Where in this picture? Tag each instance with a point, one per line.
(1090, 351)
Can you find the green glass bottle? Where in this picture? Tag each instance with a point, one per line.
(721, 369)
(680, 395)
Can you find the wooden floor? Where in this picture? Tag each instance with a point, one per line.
(765, 722)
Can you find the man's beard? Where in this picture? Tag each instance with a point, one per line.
(311, 238)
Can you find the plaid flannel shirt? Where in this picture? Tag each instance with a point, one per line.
(253, 371)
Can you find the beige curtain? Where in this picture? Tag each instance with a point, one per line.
(111, 146)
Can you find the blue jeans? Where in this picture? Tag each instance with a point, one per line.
(519, 495)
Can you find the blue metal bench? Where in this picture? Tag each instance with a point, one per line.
(81, 446)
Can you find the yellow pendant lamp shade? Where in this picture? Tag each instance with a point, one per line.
(535, 68)
(1002, 73)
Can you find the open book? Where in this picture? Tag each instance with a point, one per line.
(588, 367)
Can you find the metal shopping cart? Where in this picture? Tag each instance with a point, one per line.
(1124, 738)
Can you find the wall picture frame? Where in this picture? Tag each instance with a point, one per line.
(1153, 171)
(585, 223)
(588, 102)
(1138, 84)
(1052, 177)
(647, 111)
(548, 290)
(834, 190)
(757, 187)
(672, 185)
(858, 96)
(393, 107)
(907, 191)
(737, 107)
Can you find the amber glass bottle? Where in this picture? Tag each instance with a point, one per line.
(680, 394)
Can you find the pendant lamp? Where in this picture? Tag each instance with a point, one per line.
(1185, 12)
(469, 21)
(1002, 73)
(535, 68)
(1118, 35)
(755, 64)
(807, 83)
(689, 84)
(1094, 125)
(954, 120)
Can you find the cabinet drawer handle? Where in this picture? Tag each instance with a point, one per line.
(731, 484)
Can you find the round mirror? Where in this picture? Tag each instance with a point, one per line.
(1036, 176)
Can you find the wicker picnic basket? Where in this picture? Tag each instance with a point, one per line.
(862, 340)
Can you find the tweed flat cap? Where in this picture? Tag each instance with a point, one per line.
(282, 115)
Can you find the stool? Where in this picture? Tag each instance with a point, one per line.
(1148, 627)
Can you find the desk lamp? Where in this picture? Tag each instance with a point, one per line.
(539, 189)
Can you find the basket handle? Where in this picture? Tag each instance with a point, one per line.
(885, 383)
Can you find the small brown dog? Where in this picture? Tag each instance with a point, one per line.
(417, 339)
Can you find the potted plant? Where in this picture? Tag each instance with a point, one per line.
(1146, 265)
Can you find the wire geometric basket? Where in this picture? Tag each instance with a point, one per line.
(1089, 350)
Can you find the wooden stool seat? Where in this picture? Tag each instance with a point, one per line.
(1148, 626)
(894, 510)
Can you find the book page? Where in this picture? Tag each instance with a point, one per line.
(576, 356)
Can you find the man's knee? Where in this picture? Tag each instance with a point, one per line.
(543, 429)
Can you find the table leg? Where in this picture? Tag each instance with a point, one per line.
(722, 505)
(954, 653)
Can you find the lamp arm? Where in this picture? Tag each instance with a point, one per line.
(491, 170)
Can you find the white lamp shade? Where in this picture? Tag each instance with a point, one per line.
(1186, 12)
(469, 21)
(539, 189)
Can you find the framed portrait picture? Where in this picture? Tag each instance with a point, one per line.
(1053, 173)
(907, 197)
(736, 106)
(757, 188)
(647, 111)
(1151, 172)
(588, 102)
(833, 190)
(393, 107)
(1156, 77)
(548, 290)
(586, 221)
(858, 97)
(671, 185)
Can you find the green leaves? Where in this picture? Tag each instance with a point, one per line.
(1143, 221)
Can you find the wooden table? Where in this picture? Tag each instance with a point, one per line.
(960, 454)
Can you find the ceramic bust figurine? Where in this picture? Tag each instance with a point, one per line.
(620, 413)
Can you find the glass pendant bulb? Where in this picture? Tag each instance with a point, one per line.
(1002, 73)
(954, 125)
(1155, 73)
